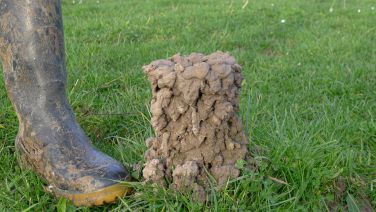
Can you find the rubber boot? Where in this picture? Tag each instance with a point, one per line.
(49, 139)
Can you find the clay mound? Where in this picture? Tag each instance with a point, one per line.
(194, 103)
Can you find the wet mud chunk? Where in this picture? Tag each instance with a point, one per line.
(194, 105)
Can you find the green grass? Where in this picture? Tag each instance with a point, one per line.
(308, 100)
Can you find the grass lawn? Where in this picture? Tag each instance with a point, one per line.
(308, 100)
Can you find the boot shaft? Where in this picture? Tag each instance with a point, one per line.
(32, 53)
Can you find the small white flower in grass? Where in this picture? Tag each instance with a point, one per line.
(97, 1)
(272, 5)
(372, 8)
(283, 21)
(73, 2)
(299, 64)
(358, 10)
(49, 188)
(331, 10)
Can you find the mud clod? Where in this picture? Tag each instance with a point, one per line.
(194, 103)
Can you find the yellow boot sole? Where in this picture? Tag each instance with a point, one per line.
(96, 198)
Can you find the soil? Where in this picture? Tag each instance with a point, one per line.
(194, 103)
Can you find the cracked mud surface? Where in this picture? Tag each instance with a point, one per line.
(194, 103)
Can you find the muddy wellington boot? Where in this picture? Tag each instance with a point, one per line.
(49, 140)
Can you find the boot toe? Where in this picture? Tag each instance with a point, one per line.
(95, 186)
(88, 180)
(115, 172)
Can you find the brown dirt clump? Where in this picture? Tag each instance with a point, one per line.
(194, 103)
